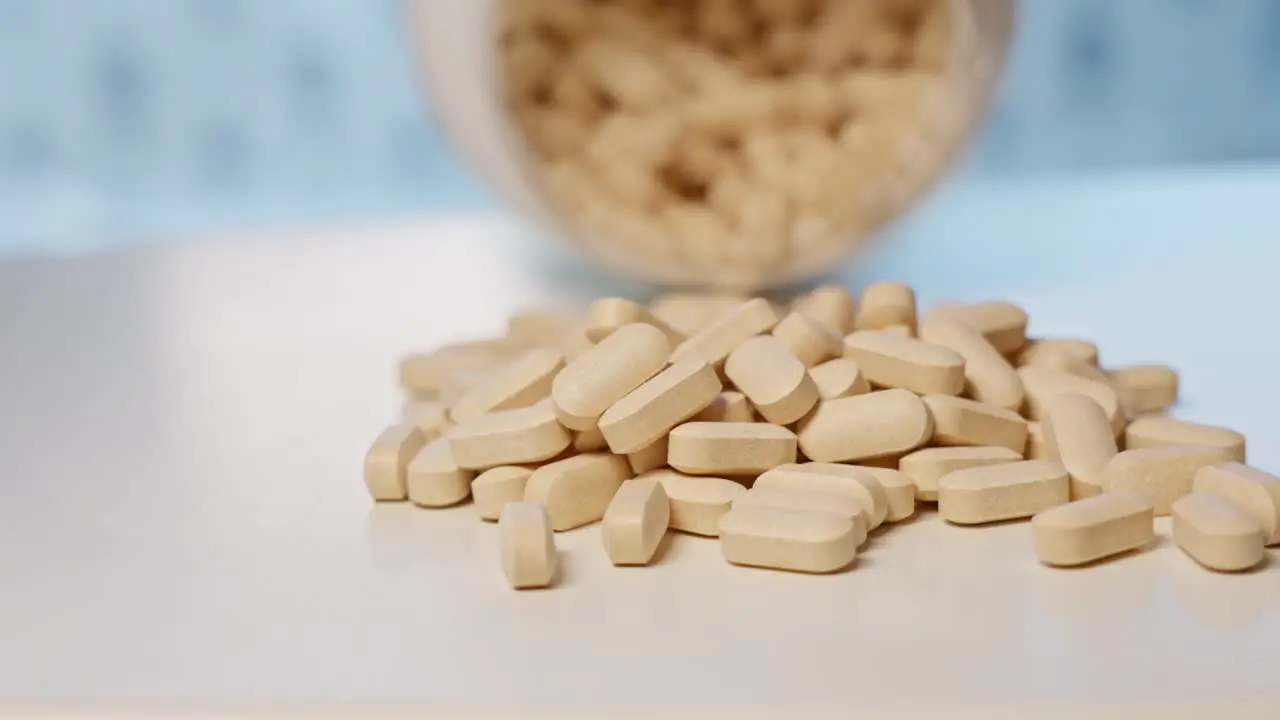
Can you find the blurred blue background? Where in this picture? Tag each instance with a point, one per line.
(124, 120)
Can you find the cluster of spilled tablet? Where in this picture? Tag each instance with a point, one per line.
(792, 429)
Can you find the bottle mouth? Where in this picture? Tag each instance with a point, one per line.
(676, 143)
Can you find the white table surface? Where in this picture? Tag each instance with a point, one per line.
(183, 522)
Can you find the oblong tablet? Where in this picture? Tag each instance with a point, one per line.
(494, 488)
(1002, 492)
(1094, 528)
(527, 545)
(714, 343)
(1078, 349)
(729, 448)
(831, 305)
(691, 313)
(1071, 364)
(434, 479)
(1147, 388)
(959, 421)
(989, 377)
(808, 340)
(1254, 491)
(1161, 475)
(518, 384)
(810, 501)
(542, 328)
(386, 462)
(1002, 324)
(854, 482)
(577, 490)
(884, 304)
(606, 315)
(650, 411)
(926, 467)
(770, 537)
(1215, 533)
(775, 381)
(1159, 431)
(426, 375)
(893, 361)
(1042, 383)
(697, 503)
(1078, 434)
(509, 437)
(839, 378)
(602, 375)
(862, 427)
(635, 522)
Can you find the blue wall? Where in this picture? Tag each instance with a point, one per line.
(1106, 83)
(128, 118)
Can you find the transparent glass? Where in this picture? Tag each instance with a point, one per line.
(756, 182)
